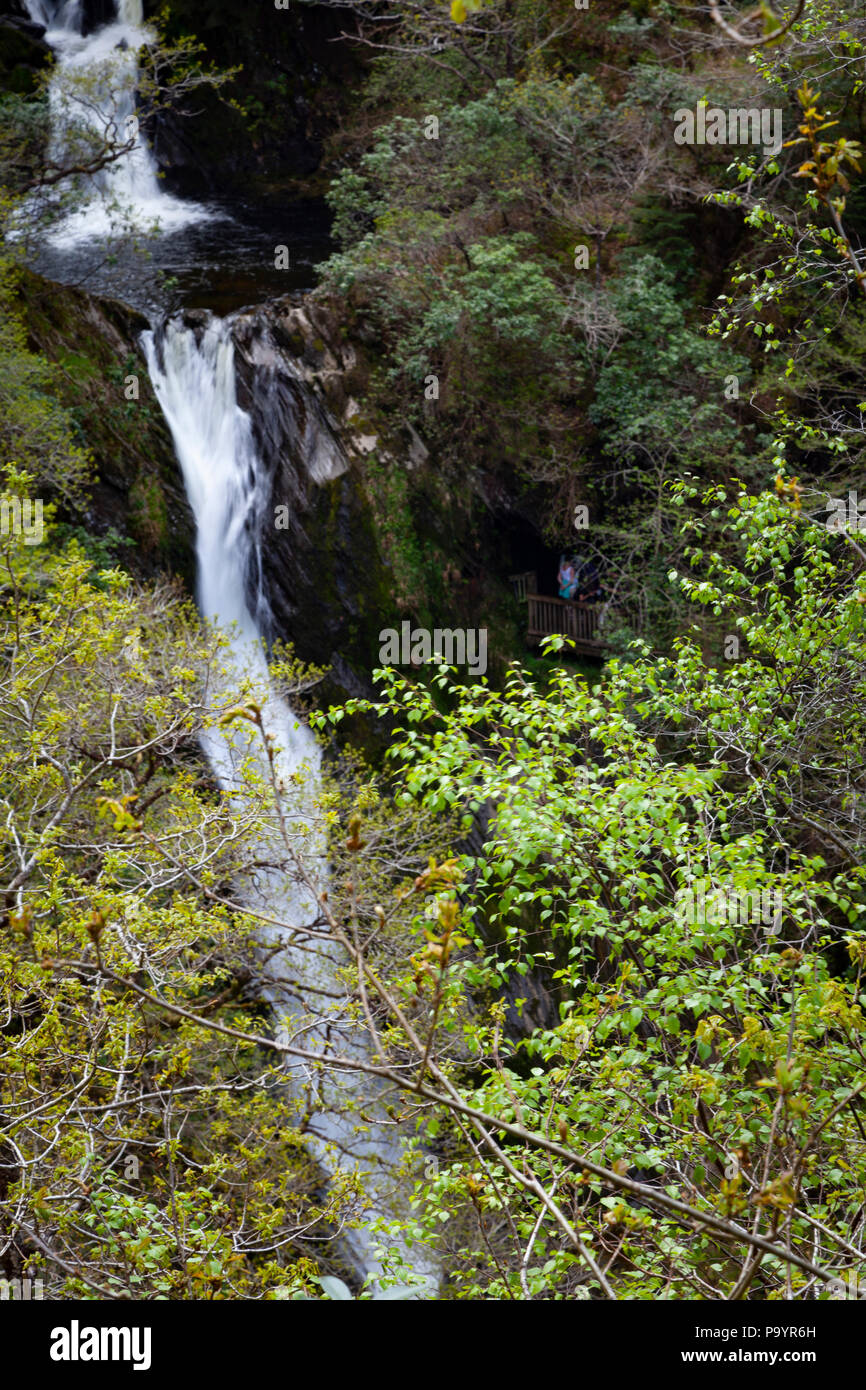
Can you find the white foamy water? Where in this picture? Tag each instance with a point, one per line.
(93, 90)
(194, 378)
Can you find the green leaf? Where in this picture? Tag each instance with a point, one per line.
(336, 1289)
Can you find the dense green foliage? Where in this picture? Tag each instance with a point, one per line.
(534, 205)
(606, 936)
(711, 1055)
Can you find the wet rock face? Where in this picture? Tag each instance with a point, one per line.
(320, 582)
(95, 13)
(293, 74)
(15, 9)
(137, 491)
(23, 50)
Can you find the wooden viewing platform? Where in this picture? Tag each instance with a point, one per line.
(523, 584)
(579, 621)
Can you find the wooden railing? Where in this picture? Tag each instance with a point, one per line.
(524, 584)
(579, 621)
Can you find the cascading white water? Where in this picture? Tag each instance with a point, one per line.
(93, 91)
(94, 88)
(194, 379)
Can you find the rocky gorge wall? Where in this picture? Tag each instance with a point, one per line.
(137, 491)
(23, 51)
(267, 134)
(323, 574)
(324, 584)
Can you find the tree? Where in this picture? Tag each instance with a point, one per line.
(37, 435)
(659, 402)
(77, 124)
(676, 1133)
(148, 1145)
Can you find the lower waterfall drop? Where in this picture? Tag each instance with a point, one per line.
(193, 375)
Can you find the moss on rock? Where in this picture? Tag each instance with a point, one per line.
(138, 491)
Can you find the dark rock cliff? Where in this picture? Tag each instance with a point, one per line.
(24, 54)
(323, 583)
(138, 492)
(291, 88)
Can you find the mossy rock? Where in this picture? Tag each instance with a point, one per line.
(138, 491)
(22, 59)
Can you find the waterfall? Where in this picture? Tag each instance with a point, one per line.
(93, 93)
(193, 375)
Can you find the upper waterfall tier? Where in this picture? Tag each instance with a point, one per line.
(93, 105)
